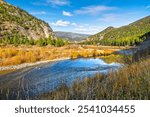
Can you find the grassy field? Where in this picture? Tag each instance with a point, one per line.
(11, 55)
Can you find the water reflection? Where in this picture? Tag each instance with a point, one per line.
(48, 77)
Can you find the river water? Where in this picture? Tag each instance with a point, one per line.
(34, 81)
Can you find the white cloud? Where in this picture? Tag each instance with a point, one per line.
(109, 17)
(77, 28)
(148, 7)
(74, 24)
(93, 10)
(80, 26)
(65, 13)
(39, 13)
(87, 29)
(61, 23)
(58, 2)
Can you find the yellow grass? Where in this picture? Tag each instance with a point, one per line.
(11, 55)
(6, 71)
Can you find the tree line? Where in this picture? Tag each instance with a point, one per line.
(17, 40)
(126, 41)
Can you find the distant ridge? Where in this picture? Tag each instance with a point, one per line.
(71, 36)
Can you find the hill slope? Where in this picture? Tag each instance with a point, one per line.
(131, 34)
(100, 35)
(71, 36)
(14, 20)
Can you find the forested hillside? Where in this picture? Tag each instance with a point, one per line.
(15, 21)
(132, 34)
(19, 27)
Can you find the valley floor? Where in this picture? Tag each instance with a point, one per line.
(130, 82)
(12, 58)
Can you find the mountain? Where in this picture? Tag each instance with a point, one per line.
(71, 36)
(101, 34)
(131, 34)
(14, 20)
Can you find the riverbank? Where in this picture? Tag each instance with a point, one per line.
(124, 83)
(12, 57)
(33, 81)
(129, 83)
(24, 65)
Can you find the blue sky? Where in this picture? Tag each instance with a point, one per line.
(85, 16)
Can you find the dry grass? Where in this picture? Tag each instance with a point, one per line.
(11, 55)
(118, 58)
(6, 71)
(131, 82)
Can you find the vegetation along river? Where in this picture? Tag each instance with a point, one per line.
(33, 81)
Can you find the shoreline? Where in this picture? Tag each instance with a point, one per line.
(24, 65)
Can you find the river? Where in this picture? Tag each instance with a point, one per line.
(33, 81)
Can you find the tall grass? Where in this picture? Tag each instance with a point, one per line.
(130, 82)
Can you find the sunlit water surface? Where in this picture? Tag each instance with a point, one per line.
(48, 77)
